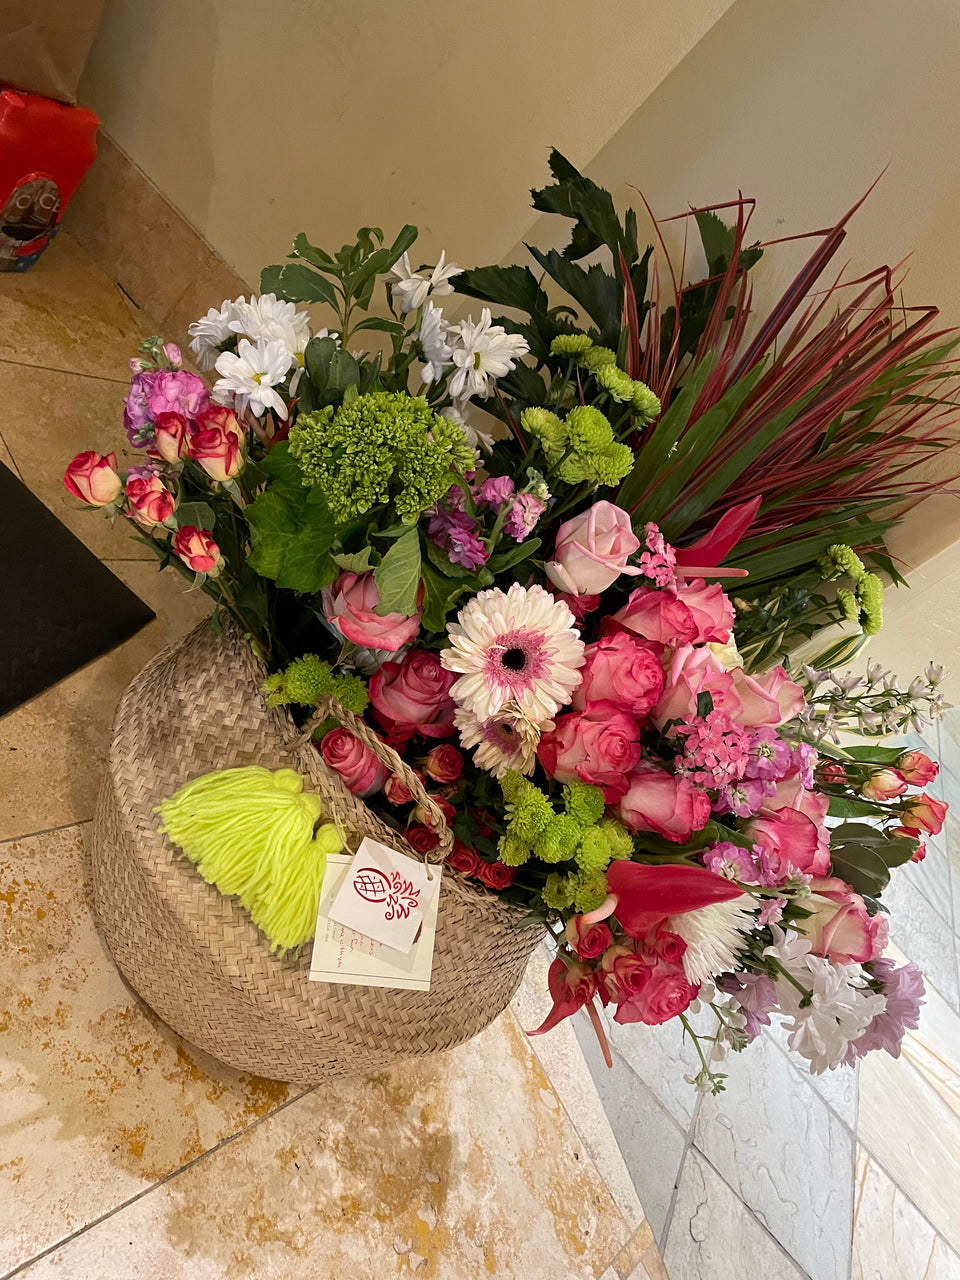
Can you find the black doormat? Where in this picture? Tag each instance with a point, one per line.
(59, 606)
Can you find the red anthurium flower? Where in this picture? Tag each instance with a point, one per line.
(647, 895)
(702, 558)
(571, 987)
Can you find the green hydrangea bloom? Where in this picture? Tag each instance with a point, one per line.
(619, 838)
(570, 344)
(589, 430)
(385, 447)
(848, 603)
(513, 852)
(559, 839)
(840, 560)
(583, 802)
(594, 853)
(308, 679)
(870, 600)
(646, 403)
(619, 385)
(558, 891)
(545, 426)
(598, 358)
(590, 891)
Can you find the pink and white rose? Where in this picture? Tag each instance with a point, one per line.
(917, 769)
(93, 478)
(592, 550)
(171, 440)
(359, 769)
(350, 605)
(198, 550)
(151, 502)
(840, 927)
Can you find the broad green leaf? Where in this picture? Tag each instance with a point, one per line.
(504, 287)
(344, 370)
(197, 514)
(316, 359)
(861, 867)
(302, 248)
(876, 755)
(293, 534)
(297, 282)
(381, 324)
(507, 559)
(844, 807)
(596, 291)
(439, 596)
(358, 561)
(397, 577)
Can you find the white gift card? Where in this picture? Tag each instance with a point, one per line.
(341, 955)
(383, 895)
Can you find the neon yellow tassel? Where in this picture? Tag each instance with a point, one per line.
(251, 833)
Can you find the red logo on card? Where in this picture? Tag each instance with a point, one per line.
(399, 895)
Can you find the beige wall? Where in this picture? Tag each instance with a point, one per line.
(262, 118)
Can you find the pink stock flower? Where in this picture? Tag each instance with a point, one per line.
(588, 940)
(571, 988)
(621, 670)
(359, 769)
(151, 502)
(917, 769)
(659, 561)
(198, 550)
(93, 478)
(443, 763)
(756, 997)
(592, 550)
(495, 491)
(736, 863)
(453, 531)
(350, 606)
(170, 438)
(839, 926)
(522, 517)
(714, 752)
(413, 696)
(658, 801)
(176, 391)
(924, 813)
(600, 745)
(885, 784)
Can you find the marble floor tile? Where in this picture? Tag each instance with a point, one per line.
(932, 877)
(6, 457)
(562, 1059)
(53, 748)
(660, 1057)
(46, 419)
(651, 1140)
(924, 934)
(460, 1166)
(99, 1098)
(891, 1238)
(713, 1236)
(785, 1152)
(64, 313)
(839, 1089)
(949, 742)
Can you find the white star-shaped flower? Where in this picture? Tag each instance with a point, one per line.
(485, 352)
(251, 375)
(411, 289)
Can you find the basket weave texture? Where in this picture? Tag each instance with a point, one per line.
(197, 958)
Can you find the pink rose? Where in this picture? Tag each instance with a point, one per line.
(658, 801)
(600, 745)
(197, 549)
(359, 769)
(592, 550)
(923, 813)
(588, 940)
(462, 859)
(770, 699)
(413, 696)
(397, 792)
(496, 875)
(443, 763)
(917, 769)
(445, 807)
(710, 608)
(666, 993)
(625, 973)
(665, 945)
(580, 606)
(93, 478)
(791, 841)
(885, 784)
(170, 438)
(151, 501)
(177, 392)
(621, 670)
(657, 615)
(692, 671)
(840, 927)
(350, 605)
(218, 443)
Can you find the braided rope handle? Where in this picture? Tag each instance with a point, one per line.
(328, 707)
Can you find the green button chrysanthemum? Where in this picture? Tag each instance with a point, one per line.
(570, 344)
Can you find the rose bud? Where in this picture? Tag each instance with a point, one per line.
(420, 838)
(397, 792)
(920, 852)
(170, 441)
(443, 763)
(588, 940)
(197, 549)
(173, 354)
(917, 769)
(924, 813)
(218, 450)
(447, 809)
(93, 478)
(151, 502)
(495, 875)
(885, 784)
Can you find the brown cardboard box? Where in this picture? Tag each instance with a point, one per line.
(44, 44)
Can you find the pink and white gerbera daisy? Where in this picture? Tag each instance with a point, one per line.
(516, 646)
(506, 741)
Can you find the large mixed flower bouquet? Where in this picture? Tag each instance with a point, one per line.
(505, 608)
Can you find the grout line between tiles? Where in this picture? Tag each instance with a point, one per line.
(913, 1204)
(70, 373)
(687, 1144)
(77, 822)
(174, 1173)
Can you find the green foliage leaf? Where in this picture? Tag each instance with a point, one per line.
(302, 248)
(316, 359)
(381, 324)
(358, 561)
(507, 559)
(875, 755)
(591, 208)
(297, 282)
(197, 514)
(439, 595)
(504, 287)
(845, 807)
(291, 528)
(397, 577)
(596, 291)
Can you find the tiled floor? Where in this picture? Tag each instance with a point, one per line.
(787, 1175)
(125, 1154)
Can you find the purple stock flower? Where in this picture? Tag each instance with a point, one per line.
(772, 910)
(756, 996)
(137, 420)
(495, 491)
(523, 516)
(805, 759)
(744, 798)
(452, 531)
(904, 990)
(732, 862)
(177, 391)
(770, 757)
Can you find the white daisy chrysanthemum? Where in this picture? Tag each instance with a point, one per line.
(517, 646)
(485, 352)
(250, 375)
(506, 741)
(412, 289)
(437, 352)
(458, 413)
(210, 331)
(275, 321)
(714, 936)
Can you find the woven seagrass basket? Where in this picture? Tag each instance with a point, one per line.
(197, 958)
